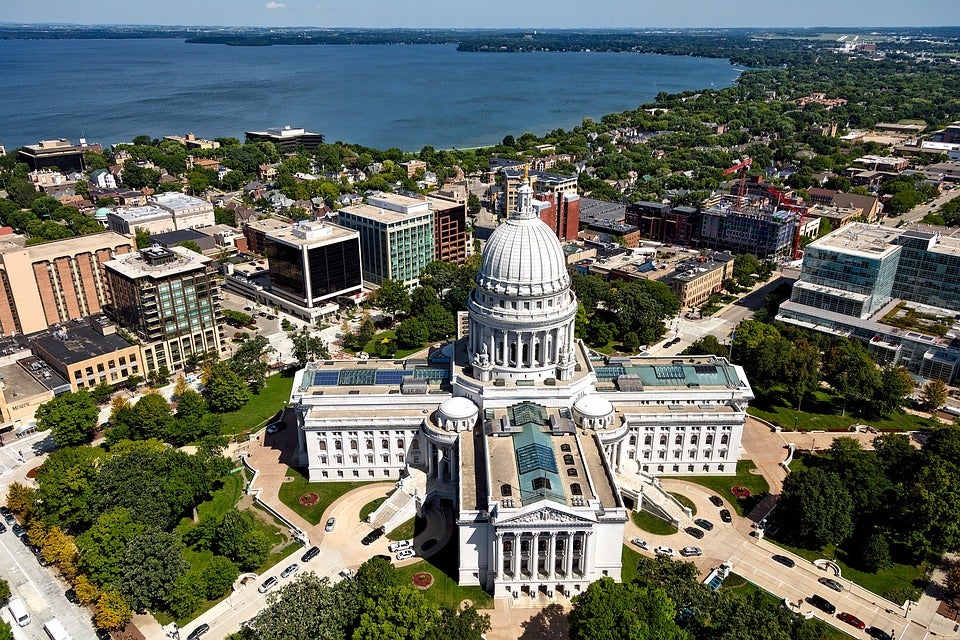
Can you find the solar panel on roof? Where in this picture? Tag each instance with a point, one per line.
(430, 373)
(669, 373)
(390, 376)
(357, 377)
(704, 369)
(326, 378)
(610, 373)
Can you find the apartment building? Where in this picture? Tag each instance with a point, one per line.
(171, 211)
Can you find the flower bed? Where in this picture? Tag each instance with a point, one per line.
(309, 499)
(422, 580)
(740, 492)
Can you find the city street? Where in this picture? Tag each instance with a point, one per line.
(917, 213)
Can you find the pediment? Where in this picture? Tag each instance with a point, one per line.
(545, 515)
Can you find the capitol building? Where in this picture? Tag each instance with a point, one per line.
(537, 447)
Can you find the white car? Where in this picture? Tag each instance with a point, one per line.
(267, 584)
(643, 544)
(406, 553)
(400, 546)
(686, 552)
(664, 551)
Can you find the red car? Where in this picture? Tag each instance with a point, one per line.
(851, 619)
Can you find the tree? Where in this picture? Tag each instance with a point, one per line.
(65, 484)
(20, 499)
(105, 543)
(137, 177)
(610, 611)
(392, 296)
(102, 392)
(218, 577)
(112, 611)
(895, 385)
(4, 591)
(850, 370)
(816, 507)
(951, 582)
(142, 237)
(226, 391)
(60, 549)
(801, 370)
(707, 345)
(399, 612)
(86, 591)
(412, 333)
(6, 631)
(933, 395)
(306, 346)
(439, 322)
(72, 418)
(249, 362)
(151, 565)
(473, 204)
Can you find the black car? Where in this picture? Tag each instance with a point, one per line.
(785, 561)
(717, 501)
(725, 515)
(696, 533)
(372, 536)
(3, 528)
(822, 603)
(8, 518)
(879, 634)
(71, 596)
(706, 525)
(18, 530)
(4, 510)
(199, 631)
(830, 582)
(311, 553)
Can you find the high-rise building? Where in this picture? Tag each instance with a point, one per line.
(449, 230)
(52, 282)
(313, 262)
(767, 235)
(169, 298)
(396, 237)
(560, 208)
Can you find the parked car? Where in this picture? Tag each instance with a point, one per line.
(830, 582)
(290, 570)
(406, 553)
(311, 553)
(18, 530)
(268, 584)
(199, 631)
(851, 619)
(3, 528)
(822, 603)
(346, 574)
(706, 525)
(717, 501)
(400, 546)
(879, 634)
(696, 533)
(643, 544)
(8, 518)
(725, 515)
(664, 551)
(331, 523)
(784, 560)
(687, 552)
(71, 596)
(370, 537)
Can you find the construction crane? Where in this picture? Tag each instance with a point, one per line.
(743, 167)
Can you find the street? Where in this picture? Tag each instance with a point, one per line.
(918, 212)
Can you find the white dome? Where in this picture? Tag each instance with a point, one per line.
(523, 257)
(458, 409)
(593, 406)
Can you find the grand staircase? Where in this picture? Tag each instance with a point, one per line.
(403, 503)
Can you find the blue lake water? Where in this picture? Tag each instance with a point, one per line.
(404, 96)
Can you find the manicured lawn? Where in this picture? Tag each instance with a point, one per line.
(445, 590)
(630, 560)
(899, 576)
(408, 530)
(652, 524)
(685, 501)
(261, 408)
(371, 347)
(219, 503)
(821, 412)
(291, 491)
(721, 486)
(370, 507)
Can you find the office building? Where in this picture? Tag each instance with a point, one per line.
(256, 232)
(171, 211)
(396, 237)
(44, 284)
(61, 154)
(767, 235)
(558, 192)
(664, 223)
(168, 298)
(287, 138)
(696, 279)
(535, 447)
(449, 230)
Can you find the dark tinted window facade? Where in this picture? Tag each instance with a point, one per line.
(334, 268)
(286, 270)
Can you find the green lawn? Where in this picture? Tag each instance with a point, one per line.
(370, 507)
(685, 501)
(291, 491)
(899, 576)
(445, 590)
(261, 408)
(408, 530)
(630, 560)
(371, 347)
(652, 524)
(219, 503)
(821, 412)
(721, 485)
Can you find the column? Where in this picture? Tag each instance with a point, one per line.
(439, 468)
(568, 558)
(518, 340)
(514, 550)
(431, 464)
(498, 555)
(552, 555)
(587, 562)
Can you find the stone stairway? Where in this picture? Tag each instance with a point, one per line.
(654, 498)
(403, 503)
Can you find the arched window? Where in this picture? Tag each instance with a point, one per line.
(323, 445)
(384, 444)
(568, 459)
(633, 441)
(565, 448)
(663, 440)
(541, 483)
(694, 438)
(571, 471)
(369, 445)
(678, 439)
(399, 443)
(575, 489)
(506, 490)
(353, 445)
(647, 441)
(710, 438)
(415, 444)
(724, 439)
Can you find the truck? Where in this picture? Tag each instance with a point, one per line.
(19, 611)
(55, 630)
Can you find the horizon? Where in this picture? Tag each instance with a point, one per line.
(495, 14)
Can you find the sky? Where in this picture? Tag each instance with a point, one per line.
(490, 13)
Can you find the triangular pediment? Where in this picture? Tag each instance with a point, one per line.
(543, 515)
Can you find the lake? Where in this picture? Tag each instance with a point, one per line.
(404, 96)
